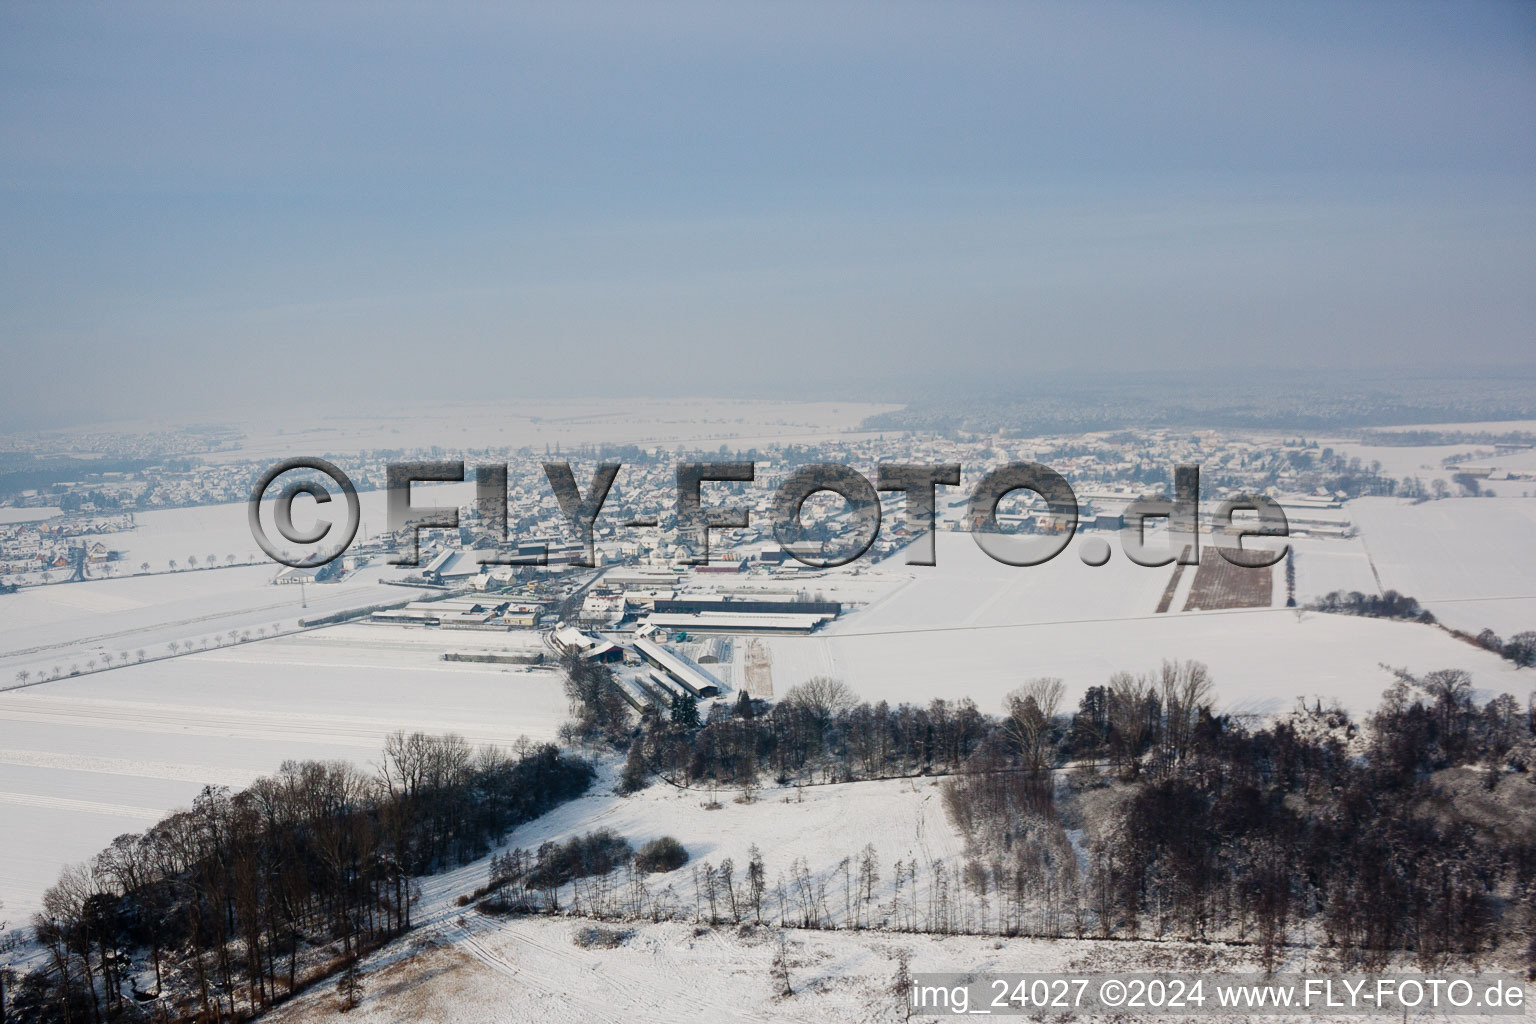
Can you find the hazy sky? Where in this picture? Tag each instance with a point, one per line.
(204, 204)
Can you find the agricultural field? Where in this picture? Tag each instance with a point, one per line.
(1219, 585)
(1262, 660)
(83, 760)
(68, 628)
(63, 628)
(1468, 560)
(972, 627)
(223, 530)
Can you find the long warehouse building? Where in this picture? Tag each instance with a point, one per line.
(683, 671)
(735, 622)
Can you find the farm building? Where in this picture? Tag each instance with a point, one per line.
(602, 607)
(754, 606)
(570, 640)
(678, 669)
(462, 613)
(714, 651)
(434, 568)
(737, 622)
(732, 565)
(631, 577)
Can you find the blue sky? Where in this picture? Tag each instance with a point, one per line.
(201, 202)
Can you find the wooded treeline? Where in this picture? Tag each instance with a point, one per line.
(1413, 833)
(1144, 813)
(238, 902)
(816, 734)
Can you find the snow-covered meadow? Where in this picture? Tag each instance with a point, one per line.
(972, 627)
(58, 629)
(1471, 561)
(83, 760)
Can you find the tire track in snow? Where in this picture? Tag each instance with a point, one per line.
(60, 803)
(135, 716)
(204, 774)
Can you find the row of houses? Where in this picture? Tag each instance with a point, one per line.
(31, 552)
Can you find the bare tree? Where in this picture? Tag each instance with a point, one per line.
(823, 696)
(350, 987)
(869, 874)
(901, 984)
(1129, 700)
(778, 970)
(757, 882)
(1031, 710)
(1185, 689)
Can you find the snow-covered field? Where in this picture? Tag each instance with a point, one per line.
(530, 971)
(1398, 461)
(222, 530)
(1471, 561)
(902, 819)
(84, 760)
(28, 515)
(1261, 660)
(1326, 564)
(56, 629)
(470, 967)
(969, 588)
(972, 627)
(1515, 462)
(61, 628)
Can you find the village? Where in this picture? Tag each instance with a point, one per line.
(83, 529)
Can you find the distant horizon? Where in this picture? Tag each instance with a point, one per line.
(213, 207)
(1056, 384)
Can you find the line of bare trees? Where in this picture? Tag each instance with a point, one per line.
(815, 734)
(219, 911)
